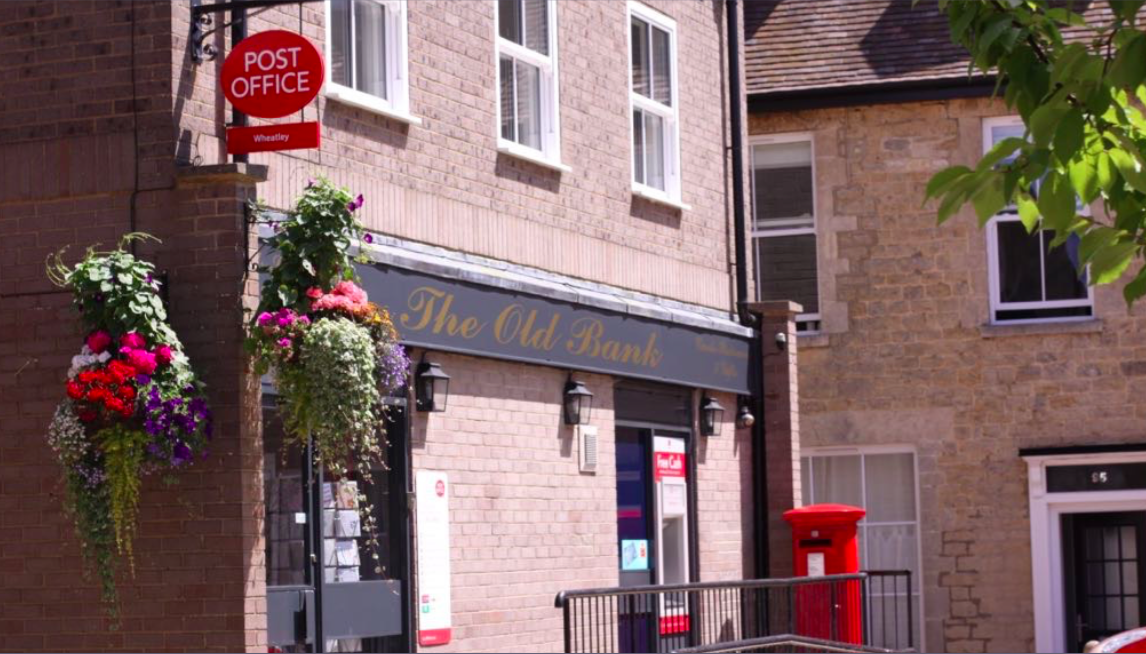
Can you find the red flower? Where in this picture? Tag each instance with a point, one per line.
(314, 292)
(163, 354)
(75, 390)
(114, 404)
(142, 361)
(126, 392)
(87, 415)
(133, 340)
(98, 341)
(87, 377)
(120, 371)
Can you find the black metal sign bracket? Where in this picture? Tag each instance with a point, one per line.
(203, 22)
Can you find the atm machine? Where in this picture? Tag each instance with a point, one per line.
(670, 480)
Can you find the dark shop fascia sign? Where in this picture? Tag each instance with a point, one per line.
(449, 315)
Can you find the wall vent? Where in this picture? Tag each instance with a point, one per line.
(587, 437)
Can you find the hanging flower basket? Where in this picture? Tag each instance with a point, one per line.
(133, 405)
(334, 355)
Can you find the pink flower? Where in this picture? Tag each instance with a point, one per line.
(163, 355)
(284, 342)
(98, 341)
(314, 292)
(133, 340)
(264, 318)
(350, 290)
(142, 360)
(304, 320)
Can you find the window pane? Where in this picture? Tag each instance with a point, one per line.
(893, 547)
(1019, 275)
(640, 56)
(786, 270)
(1000, 132)
(1063, 279)
(509, 20)
(340, 42)
(662, 67)
(654, 151)
(806, 481)
(505, 70)
(537, 25)
(528, 105)
(370, 44)
(638, 147)
(783, 193)
(836, 479)
(890, 487)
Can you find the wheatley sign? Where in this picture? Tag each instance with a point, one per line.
(446, 314)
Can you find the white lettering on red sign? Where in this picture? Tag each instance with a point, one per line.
(668, 464)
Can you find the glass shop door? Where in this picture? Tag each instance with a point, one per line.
(325, 591)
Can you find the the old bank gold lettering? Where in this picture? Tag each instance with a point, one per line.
(432, 304)
(586, 339)
(513, 323)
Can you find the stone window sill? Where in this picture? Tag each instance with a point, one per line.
(1089, 326)
(812, 341)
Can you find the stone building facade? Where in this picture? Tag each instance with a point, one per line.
(911, 357)
(108, 126)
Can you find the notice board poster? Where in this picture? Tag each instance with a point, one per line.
(432, 493)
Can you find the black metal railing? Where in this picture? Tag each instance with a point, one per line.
(864, 609)
(780, 644)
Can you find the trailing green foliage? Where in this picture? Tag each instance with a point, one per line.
(123, 450)
(1081, 101)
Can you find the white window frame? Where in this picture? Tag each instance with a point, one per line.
(994, 275)
(550, 153)
(1046, 512)
(670, 115)
(397, 67)
(870, 450)
(772, 139)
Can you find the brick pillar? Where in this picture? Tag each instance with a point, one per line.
(218, 600)
(781, 426)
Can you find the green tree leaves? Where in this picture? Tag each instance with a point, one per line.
(1080, 100)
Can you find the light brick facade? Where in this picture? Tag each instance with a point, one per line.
(907, 357)
(107, 127)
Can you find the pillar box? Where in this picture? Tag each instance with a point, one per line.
(824, 543)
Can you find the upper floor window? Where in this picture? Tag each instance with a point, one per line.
(366, 51)
(653, 96)
(527, 77)
(1029, 280)
(784, 224)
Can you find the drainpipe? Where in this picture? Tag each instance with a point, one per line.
(761, 554)
(736, 111)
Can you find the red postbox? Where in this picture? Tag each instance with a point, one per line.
(824, 543)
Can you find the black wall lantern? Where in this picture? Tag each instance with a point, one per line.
(578, 403)
(431, 387)
(711, 413)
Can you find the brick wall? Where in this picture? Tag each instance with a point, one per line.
(444, 182)
(525, 523)
(906, 359)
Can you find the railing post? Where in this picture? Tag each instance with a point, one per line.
(910, 615)
(568, 627)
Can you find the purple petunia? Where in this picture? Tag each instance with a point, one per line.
(355, 204)
(368, 237)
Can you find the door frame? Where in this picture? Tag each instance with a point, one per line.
(1046, 512)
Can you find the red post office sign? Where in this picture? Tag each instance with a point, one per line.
(272, 74)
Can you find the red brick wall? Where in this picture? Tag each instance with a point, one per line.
(444, 182)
